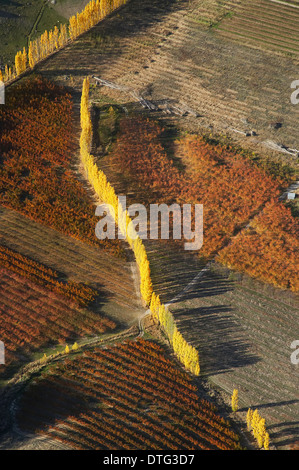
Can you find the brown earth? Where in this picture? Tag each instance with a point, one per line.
(177, 52)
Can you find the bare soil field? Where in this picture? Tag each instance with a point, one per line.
(165, 54)
(264, 24)
(243, 331)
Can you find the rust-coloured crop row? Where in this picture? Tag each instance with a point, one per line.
(269, 248)
(33, 318)
(36, 145)
(122, 404)
(229, 186)
(47, 277)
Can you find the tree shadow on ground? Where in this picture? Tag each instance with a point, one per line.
(42, 403)
(6, 14)
(220, 340)
(103, 43)
(208, 285)
(285, 433)
(172, 269)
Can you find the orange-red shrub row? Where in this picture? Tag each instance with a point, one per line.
(33, 317)
(138, 405)
(39, 274)
(230, 187)
(36, 145)
(268, 249)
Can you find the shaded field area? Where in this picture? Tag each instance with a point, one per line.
(34, 319)
(164, 52)
(77, 261)
(243, 331)
(130, 396)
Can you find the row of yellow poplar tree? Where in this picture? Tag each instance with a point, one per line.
(51, 41)
(255, 423)
(186, 353)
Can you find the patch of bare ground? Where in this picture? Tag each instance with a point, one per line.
(243, 330)
(164, 52)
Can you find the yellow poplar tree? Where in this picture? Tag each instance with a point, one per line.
(266, 441)
(63, 37)
(31, 58)
(261, 432)
(235, 400)
(249, 418)
(24, 60)
(254, 423)
(43, 359)
(18, 63)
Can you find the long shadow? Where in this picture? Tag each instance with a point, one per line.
(134, 17)
(285, 433)
(172, 270)
(275, 405)
(174, 276)
(41, 403)
(10, 3)
(209, 285)
(6, 14)
(221, 342)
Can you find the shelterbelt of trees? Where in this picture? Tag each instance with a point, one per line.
(186, 353)
(51, 41)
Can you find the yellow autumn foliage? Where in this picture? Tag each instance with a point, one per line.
(235, 400)
(50, 41)
(186, 353)
(257, 425)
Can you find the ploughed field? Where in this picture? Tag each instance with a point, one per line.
(243, 330)
(177, 52)
(264, 24)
